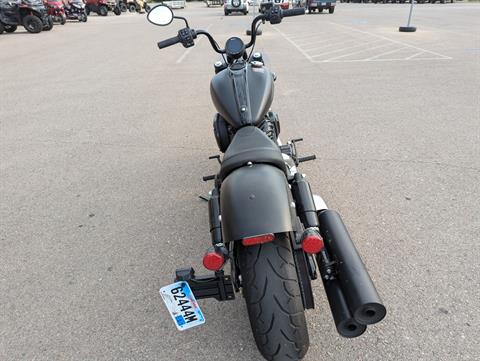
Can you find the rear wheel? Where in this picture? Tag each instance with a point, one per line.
(132, 8)
(32, 24)
(63, 19)
(10, 28)
(117, 11)
(2, 28)
(123, 7)
(331, 10)
(87, 10)
(49, 25)
(274, 302)
(103, 11)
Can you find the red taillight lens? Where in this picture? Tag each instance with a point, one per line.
(263, 238)
(213, 261)
(312, 242)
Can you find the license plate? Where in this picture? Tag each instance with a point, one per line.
(182, 306)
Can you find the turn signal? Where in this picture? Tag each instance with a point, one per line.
(312, 242)
(213, 261)
(263, 238)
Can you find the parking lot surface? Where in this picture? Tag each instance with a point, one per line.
(104, 140)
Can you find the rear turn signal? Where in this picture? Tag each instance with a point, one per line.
(312, 242)
(213, 261)
(263, 238)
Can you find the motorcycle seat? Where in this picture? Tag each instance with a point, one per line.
(250, 144)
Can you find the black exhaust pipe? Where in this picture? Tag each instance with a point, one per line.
(356, 285)
(345, 323)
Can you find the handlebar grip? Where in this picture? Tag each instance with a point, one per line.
(293, 12)
(168, 42)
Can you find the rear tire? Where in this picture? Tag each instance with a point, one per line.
(117, 11)
(331, 10)
(274, 302)
(63, 19)
(132, 8)
(10, 28)
(49, 25)
(103, 11)
(1, 28)
(32, 24)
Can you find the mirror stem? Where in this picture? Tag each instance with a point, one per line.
(182, 18)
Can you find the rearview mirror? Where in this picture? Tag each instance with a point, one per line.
(160, 15)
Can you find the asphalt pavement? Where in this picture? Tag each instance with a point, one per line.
(104, 140)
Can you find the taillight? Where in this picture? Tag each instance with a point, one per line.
(213, 261)
(312, 242)
(263, 238)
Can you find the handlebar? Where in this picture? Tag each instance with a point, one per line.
(186, 35)
(293, 12)
(168, 42)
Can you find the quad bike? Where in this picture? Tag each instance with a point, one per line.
(134, 6)
(56, 10)
(102, 7)
(32, 14)
(264, 219)
(75, 10)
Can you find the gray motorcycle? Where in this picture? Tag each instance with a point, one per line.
(264, 220)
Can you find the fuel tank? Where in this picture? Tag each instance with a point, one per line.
(242, 94)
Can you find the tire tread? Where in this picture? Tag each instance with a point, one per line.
(274, 303)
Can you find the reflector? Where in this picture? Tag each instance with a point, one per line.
(213, 261)
(312, 242)
(263, 238)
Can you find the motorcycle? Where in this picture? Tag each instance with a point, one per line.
(56, 10)
(76, 11)
(264, 219)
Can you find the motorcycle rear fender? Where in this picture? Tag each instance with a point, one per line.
(255, 200)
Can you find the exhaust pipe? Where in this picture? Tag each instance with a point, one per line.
(354, 283)
(346, 325)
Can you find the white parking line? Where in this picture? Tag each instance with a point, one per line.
(359, 42)
(385, 53)
(343, 49)
(413, 56)
(329, 45)
(393, 41)
(359, 51)
(294, 44)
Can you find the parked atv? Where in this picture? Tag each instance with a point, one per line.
(32, 14)
(75, 10)
(134, 6)
(56, 10)
(102, 7)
